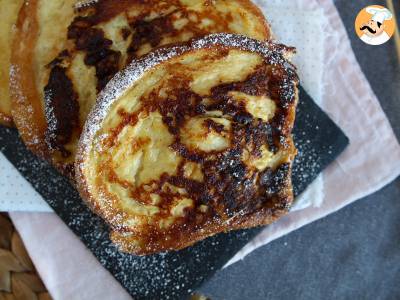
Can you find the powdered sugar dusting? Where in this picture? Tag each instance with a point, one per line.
(52, 120)
(85, 4)
(31, 138)
(15, 87)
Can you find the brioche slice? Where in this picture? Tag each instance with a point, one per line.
(66, 52)
(8, 16)
(191, 141)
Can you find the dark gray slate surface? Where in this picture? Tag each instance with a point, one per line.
(172, 275)
(353, 254)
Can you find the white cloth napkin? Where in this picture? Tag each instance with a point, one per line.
(347, 97)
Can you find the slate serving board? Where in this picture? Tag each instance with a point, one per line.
(172, 275)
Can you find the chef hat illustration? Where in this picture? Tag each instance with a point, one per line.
(379, 14)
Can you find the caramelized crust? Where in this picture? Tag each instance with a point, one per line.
(31, 54)
(191, 141)
(65, 53)
(8, 15)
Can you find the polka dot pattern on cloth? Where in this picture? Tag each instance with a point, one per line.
(16, 194)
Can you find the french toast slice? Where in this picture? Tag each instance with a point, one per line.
(66, 52)
(8, 16)
(191, 141)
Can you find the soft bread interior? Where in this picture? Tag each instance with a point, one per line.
(133, 155)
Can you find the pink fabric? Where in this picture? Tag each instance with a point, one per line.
(70, 271)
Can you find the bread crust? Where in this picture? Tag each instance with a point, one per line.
(8, 14)
(51, 125)
(126, 237)
(26, 107)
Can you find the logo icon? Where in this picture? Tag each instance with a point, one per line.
(375, 25)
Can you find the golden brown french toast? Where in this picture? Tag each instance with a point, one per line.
(191, 141)
(8, 16)
(67, 51)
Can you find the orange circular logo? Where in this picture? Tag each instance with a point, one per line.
(375, 25)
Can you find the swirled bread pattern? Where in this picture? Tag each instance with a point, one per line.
(191, 141)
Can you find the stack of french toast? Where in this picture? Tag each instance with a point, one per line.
(173, 118)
